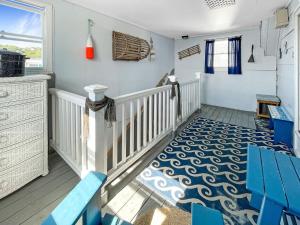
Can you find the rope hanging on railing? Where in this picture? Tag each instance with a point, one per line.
(110, 111)
(109, 114)
(173, 94)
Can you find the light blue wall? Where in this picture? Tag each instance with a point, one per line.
(73, 71)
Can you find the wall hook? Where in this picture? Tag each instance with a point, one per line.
(90, 24)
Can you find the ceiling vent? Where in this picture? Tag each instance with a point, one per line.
(215, 4)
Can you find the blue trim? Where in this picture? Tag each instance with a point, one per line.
(209, 57)
(234, 55)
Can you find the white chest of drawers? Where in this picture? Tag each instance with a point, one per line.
(23, 131)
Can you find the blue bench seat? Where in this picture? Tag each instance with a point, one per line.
(273, 178)
(205, 216)
(282, 124)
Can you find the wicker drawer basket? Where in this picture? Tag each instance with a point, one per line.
(16, 155)
(20, 175)
(21, 133)
(20, 112)
(20, 91)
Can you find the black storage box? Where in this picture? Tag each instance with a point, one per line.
(12, 64)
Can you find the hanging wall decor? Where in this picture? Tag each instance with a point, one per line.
(130, 48)
(189, 52)
(89, 48)
(152, 52)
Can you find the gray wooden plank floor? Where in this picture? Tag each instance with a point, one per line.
(31, 204)
(231, 116)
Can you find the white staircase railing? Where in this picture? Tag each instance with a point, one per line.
(67, 128)
(143, 119)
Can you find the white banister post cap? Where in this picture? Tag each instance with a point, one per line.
(95, 88)
(172, 78)
(198, 75)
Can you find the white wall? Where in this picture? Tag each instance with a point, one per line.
(73, 71)
(285, 66)
(287, 76)
(285, 69)
(232, 91)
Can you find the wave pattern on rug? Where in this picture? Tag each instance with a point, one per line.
(206, 164)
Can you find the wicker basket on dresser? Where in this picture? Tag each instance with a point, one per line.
(23, 131)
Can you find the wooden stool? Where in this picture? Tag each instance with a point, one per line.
(262, 104)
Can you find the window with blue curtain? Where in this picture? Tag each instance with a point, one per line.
(209, 57)
(234, 55)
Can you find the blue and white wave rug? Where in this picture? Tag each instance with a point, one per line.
(206, 164)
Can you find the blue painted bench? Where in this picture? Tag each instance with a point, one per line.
(282, 124)
(274, 180)
(205, 216)
(82, 201)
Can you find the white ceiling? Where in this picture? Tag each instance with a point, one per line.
(174, 18)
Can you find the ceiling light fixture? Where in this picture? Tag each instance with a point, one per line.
(215, 4)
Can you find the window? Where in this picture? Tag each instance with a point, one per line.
(221, 54)
(23, 29)
(218, 56)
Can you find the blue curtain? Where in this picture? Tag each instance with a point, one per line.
(209, 57)
(234, 55)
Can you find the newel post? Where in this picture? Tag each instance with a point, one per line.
(96, 152)
(173, 78)
(198, 77)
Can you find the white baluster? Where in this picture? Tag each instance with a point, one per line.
(155, 116)
(164, 110)
(138, 119)
(60, 118)
(150, 118)
(124, 130)
(77, 124)
(84, 162)
(184, 104)
(198, 76)
(68, 130)
(189, 99)
(64, 138)
(53, 101)
(72, 131)
(174, 113)
(159, 112)
(115, 144)
(168, 109)
(57, 125)
(131, 129)
(145, 122)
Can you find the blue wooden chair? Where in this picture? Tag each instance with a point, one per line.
(82, 201)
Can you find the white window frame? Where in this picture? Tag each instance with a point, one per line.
(47, 28)
(218, 68)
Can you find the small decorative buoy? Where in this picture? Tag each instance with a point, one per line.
(89, 49)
